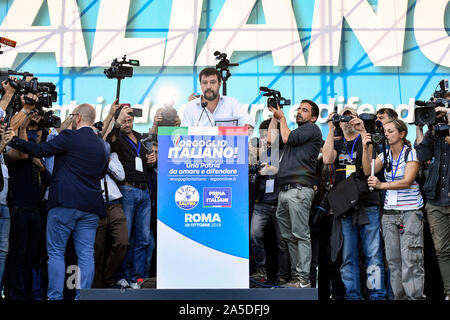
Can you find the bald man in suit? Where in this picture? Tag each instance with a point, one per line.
(75, 197)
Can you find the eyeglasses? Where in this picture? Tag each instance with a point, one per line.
(73, 115)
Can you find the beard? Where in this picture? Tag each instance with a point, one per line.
(213, 95)
(74, 125)
(300, 121)
(349, 130)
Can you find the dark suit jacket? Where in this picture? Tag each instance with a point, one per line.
(80, 162)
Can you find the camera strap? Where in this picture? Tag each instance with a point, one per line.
(353, 147)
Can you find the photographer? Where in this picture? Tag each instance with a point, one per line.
(165, 117)
(296, 177)
(136, 199)
(355, 209)
(216, 108)
(435, 147)
(270, 255)
(150, 264)
(28, 178)
(386, 114)
(402, 221)
(6, 136)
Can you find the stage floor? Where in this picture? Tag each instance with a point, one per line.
(200, 294)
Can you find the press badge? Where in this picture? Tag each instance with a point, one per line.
(139, 166)
(349, 169)
(392, 198)
(270, 185)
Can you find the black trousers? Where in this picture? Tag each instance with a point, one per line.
(24, 252)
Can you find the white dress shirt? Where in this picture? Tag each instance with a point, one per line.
(227, 108)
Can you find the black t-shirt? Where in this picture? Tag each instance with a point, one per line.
(127, 152)
(299, 156)
(349, 160)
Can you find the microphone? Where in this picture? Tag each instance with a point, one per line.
(265, 89)
(8, 42)
(204, 105)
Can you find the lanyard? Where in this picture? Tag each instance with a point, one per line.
(353, 147)
(393, 174)
(138, 149)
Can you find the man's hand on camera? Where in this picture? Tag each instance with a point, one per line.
(358, 124)
(9, 90)
(331, 125)
(124, 114)
(7, 136)
(367, 139)
(28, 107)
(114, 107)
(277, 112)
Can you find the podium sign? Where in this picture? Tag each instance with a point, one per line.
(203, 223)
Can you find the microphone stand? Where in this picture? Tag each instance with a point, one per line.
(204, 104)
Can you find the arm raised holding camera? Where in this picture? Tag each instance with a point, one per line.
(278, 114)
(107, 127)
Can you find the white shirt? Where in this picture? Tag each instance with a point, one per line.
(226, 109)
(115, 169)
(403, 199)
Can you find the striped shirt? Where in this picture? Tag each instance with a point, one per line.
(406, 199)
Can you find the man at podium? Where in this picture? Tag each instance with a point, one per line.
(211, 109)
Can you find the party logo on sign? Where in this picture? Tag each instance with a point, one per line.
(187, 197)
(216, 197)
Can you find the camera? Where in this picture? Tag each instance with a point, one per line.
(374, 127)
(442, 130)
(44, 90)
(253, 171)
(148, 145)
(425, 114)
(336, 119)
(135, 111)
(119, 71)
(98, 125)
(48, 120)
(276, 98)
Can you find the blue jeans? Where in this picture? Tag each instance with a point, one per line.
(264, 215)
(371, 243)
(61, 222)
(149, 255)
(136, 206)
(4, 240)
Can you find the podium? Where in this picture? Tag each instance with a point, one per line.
(203, 223)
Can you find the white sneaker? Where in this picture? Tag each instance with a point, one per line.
(447, 298)
(134, 285)
(123, 283)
